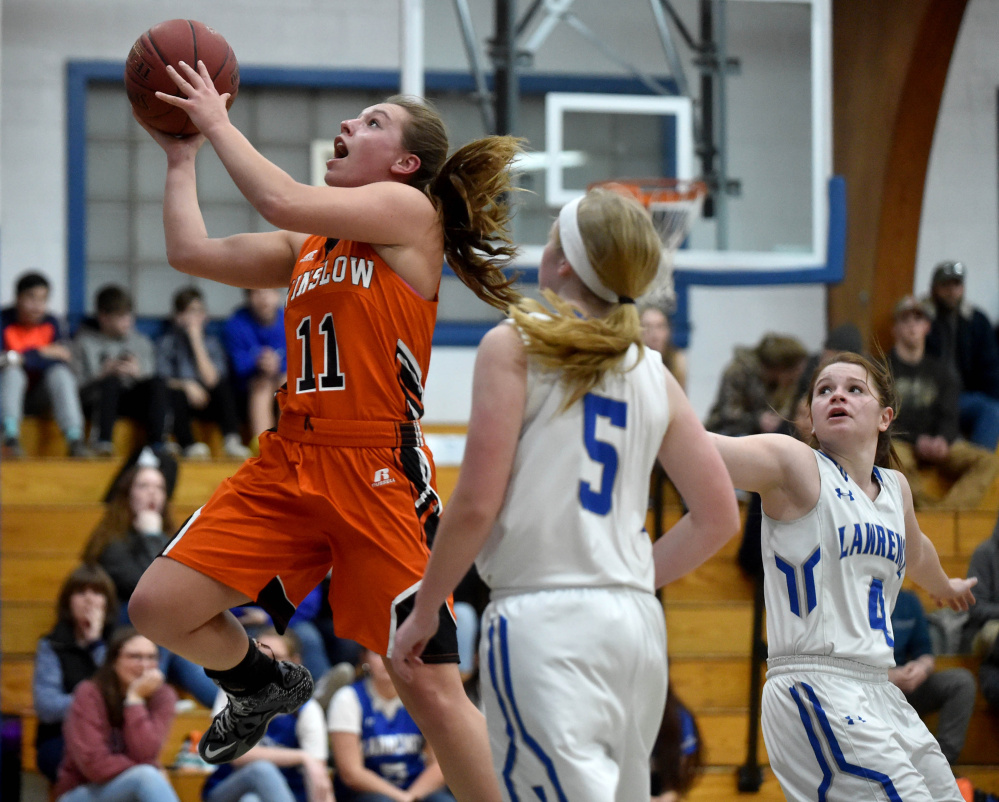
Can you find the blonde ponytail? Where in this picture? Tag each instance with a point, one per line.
(624, 250)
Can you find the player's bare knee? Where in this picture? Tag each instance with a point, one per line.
(141, 613)
(433, 694)
(145, 611)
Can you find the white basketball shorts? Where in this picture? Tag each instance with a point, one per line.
(574, 684)
(839, 731)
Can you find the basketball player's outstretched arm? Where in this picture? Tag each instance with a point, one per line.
(694, 465)
(781, 469)
(922, 563)
(252, 261)
(499, 391)
(382, 213)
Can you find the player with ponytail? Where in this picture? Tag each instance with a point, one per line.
(346, 482)
(616, 256)
(568, 417)
(839, 535)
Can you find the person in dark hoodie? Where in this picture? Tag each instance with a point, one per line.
(927, 419)
(86, 612)
(962, 336)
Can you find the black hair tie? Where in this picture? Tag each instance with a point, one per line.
(624, 299)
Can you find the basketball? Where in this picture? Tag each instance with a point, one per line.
(168, 43)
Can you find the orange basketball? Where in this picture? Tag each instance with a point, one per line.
(167, 44)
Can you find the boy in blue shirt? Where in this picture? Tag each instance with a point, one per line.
(254, 338)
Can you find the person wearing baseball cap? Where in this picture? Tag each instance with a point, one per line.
(962, 336)
(910, 304)
(927, 420)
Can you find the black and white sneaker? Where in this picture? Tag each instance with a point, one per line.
(241, 724)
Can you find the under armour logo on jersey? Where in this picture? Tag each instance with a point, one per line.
(849, 719)
(847, 495)
(382, 477)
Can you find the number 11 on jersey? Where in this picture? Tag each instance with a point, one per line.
(331, 378)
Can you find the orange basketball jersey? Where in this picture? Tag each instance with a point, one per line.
(358, 336)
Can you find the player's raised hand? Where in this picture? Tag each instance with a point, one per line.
(203, 103)
(960, 597)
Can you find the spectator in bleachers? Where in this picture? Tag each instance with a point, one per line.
(658, 335)
(116, 726)
(116, 367)
(35, 370)
(962, 336)
(86, 611)
(981, 630)
(758, 387)
(254, 338)
(927, 425)
(950, 692)
(195, 367)
(130, 535)
(379, 752)
(290, 763)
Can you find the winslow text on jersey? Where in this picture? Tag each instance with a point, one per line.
(360, 274)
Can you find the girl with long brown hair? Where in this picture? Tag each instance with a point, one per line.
(136, 526)
(839, 534)
(116, 728)
(86, 613)
(346, 482)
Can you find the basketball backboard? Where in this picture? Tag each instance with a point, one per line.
(771, 121)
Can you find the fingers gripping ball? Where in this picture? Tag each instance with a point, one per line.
(167, 44)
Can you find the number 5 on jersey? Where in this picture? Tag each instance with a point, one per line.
(616, 412)
(330, 378)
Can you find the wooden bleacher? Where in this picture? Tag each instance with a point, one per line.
(50, 505)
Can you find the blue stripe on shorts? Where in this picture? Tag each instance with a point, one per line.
(531, 743)
(837, 751)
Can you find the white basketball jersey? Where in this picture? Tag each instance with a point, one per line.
(832, 576)
(574, 512)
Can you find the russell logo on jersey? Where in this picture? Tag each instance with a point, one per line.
(382, 477)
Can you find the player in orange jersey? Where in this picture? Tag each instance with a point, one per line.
(346, 482)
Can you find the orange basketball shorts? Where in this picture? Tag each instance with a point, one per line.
(302, 509)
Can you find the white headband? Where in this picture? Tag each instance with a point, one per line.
(575, 251)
